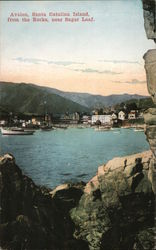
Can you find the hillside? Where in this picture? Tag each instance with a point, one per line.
(30, 99)
(142, 104)
(93, 101)
(97, 101)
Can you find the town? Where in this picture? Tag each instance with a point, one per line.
(105, 117)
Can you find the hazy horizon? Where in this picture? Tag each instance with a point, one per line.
(102, 57)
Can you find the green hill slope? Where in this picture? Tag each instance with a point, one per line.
(141, 104)
(26, 98)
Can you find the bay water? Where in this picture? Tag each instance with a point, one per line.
(58, 156)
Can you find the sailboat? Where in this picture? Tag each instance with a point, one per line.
(46, 127)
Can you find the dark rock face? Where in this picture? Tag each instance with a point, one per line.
(150, 67)
(116, 211)
(149, 7)
(30, 217)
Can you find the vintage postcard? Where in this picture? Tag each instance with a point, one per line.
(78, 125)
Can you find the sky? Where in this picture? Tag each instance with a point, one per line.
(102, 56)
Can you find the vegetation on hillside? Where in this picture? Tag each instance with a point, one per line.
(25, 98)
(133, 104)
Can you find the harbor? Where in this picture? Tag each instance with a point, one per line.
(63, 154)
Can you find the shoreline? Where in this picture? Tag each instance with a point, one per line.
(118, 197)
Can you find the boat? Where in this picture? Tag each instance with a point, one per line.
(80, 127)
(139, 129)
(103, 128)
(46, 128)
(16, 131)
(126, 127)
(61, 126)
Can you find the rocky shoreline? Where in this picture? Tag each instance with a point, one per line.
(115, 210)
(30, 217)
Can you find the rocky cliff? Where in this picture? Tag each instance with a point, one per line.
(149, 7)
(150, 67)
(115, 210)
(32, 217)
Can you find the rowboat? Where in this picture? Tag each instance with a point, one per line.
(16, 131)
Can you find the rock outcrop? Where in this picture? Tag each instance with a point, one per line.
(117, 209)
(32, 217)
(150, 67)
(149, 7)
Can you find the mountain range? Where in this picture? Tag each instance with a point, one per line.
(91, 100)
(31, 98)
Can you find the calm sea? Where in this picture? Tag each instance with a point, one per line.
(58, 156)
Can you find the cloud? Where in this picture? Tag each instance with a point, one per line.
(29, 60)
(120, 61)
(89, 70)
(133, 81)
(39, 61)
(64, 63)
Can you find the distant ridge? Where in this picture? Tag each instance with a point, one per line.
(91, 100)
(30, 98)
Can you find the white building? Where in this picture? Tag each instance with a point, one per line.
(35, 121)
(3, 123)
(114, 116)
(121, 115)
(132, 115)
(76, 116)
(104, 119)
(86, 119)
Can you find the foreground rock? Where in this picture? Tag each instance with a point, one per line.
(149, 7)
(150, 67)
(114, 211)
(117, 209)
(33, 218)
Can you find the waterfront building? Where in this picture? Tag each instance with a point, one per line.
(76, 116)
(121, 115)
(86, 119)
(132, 115)
(35, 121)
(114, 116)
(3, 123)
(103, 119)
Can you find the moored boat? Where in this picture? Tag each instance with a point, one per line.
(103, 128)
(126, 127)
(61, 126)
(46, 128)
(137, 129)
(16, 131)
